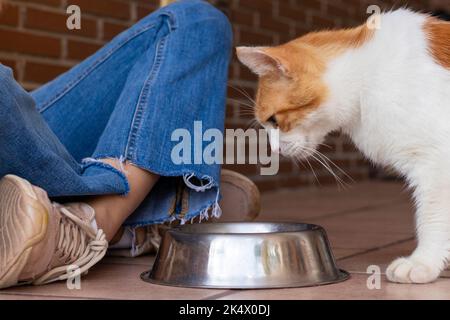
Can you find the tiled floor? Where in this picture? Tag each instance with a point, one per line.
(368, 224)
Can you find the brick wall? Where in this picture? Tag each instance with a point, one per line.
(36, 44)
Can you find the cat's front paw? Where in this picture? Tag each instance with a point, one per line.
(411, 270)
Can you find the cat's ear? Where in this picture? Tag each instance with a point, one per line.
(261, 60)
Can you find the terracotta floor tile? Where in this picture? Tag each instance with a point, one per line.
(115, 281)
(298, 205)
(340, 253)
(353, 289)
(370, 228)
(396, 218)
(28, 297)
(144, 261)
(382, 257)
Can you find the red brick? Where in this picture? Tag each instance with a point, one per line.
(326, 179)
(286, 165)
(358, 176)
(27, 42)
(106, 8)
(300, 31)
(255, 38)
(321, 22)
(240, 92)
(10, 15)
(287, 11)
(143, 11)
(237, 124)
(291, 181)
(241, 17)
(232, 70)
(309, 4)
(229, 110)
(272, 24)
(10, 63)
(56, 22)
(110, 30)
(337, 11)
(41, 73)
(263, 6)
(79, 50)
(246, 74)
(54, 3)
(154, 3)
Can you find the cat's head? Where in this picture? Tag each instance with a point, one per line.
(291, 95)
(295, 93)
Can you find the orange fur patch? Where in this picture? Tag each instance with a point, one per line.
(291, 97)
(333, 43)
(438, 33)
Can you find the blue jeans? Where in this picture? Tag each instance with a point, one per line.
(166, 72)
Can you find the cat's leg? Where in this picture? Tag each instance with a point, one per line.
(432, 254)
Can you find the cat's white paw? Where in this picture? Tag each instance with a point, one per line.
(411, 270)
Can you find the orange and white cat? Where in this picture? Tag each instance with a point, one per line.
(389, 90)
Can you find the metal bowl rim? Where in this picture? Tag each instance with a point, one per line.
(311, 228)
(343, 276)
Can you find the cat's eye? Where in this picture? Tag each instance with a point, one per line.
(273, 121)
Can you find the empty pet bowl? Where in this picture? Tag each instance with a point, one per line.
(245, 256)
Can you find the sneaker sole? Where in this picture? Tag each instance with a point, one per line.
(23, 224)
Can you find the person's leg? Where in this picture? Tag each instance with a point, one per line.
(169, 83)
(149, 87)
(112, 210)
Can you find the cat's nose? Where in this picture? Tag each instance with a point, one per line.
(273, 121)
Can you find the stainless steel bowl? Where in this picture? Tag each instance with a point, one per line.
(245, 256)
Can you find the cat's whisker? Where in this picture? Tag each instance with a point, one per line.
(328, 168)
(302, 161)
(253, 124)
(325, 158)
(297, 163)
(247, 110)
(242, 103)
(318, 157)
(312, 169)
(247, 113)
(243, 92)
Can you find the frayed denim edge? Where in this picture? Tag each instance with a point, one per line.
(203, 213)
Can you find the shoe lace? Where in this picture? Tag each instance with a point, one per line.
(78, 246)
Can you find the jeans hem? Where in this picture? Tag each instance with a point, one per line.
(90, 162)
(205, 213)
(212, 209)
